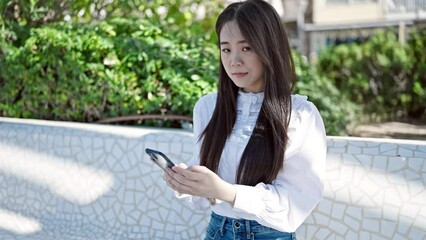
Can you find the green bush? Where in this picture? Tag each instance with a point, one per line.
(336, 110)
(124, 66)
(416, 94)
(383, 75)
(180, 16)
(120, 67)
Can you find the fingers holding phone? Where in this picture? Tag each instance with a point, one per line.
(175, 180)
(170, 176)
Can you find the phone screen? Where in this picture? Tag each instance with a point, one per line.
(159, 158)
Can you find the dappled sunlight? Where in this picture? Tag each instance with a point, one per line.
(72, 181)
(17, 223)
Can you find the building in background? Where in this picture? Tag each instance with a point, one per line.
(315, 24)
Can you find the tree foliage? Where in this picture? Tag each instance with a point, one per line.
(185, 17)
(114, 68)
(383, 75)
(337, 111)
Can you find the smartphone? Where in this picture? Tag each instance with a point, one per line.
(159, 158)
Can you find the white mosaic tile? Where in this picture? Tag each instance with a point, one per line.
(365, 235)
(351, 235)
(150, 138)
(403, 152)
(386, 147)
(360, 143)
(366, 201)
(372, 225)
(415, 164)
(349, 159)
(398, 236)
(176, 146)
(164, 146)
(311, 230)
(352, 223)
(393, 198)
(338, 210)
(346, 173)
(355, 195)
(371, 142)
(374, 190)
(419, 222)
(341, 143)
(370, 151)
(417, 234)
(379, 178)
(420, 154)
(411, 175)
(396, 164)
(378, 198)
(409, 146)
(333, 161)
(343, 195)
(338, 227)
(325, 206)
(188, 147)
(320, 219)
(369, 185)
(397, 178)
(404, 192)
(404, 224)
(390, 153)
(387, 228)
(162, 137)
(337, 186)
(337, 150)
(322, 233)
(377, 237)
(354, 150)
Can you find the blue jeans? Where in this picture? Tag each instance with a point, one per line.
(224, 228)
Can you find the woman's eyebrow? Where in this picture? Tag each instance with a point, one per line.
(225, 42)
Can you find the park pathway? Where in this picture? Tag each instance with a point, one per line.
(397, 130)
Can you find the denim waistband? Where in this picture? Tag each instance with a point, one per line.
(238, 225)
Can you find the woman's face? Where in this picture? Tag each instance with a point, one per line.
(241, 63)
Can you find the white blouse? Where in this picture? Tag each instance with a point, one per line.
(284, 204)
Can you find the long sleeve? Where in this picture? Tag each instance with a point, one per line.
(286, 203)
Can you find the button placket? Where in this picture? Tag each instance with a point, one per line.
(246, 110)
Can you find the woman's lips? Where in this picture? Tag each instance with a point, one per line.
(239, 74)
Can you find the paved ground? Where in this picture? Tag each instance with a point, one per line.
(401, 130)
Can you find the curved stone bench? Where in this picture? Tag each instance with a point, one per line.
(85, 181)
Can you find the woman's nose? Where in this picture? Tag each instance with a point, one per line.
(236, 60)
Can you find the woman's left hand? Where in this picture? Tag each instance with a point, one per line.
(199, 181)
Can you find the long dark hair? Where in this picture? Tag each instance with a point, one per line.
(263, 156)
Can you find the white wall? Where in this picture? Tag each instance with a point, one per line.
(326, 13)
(84, 181)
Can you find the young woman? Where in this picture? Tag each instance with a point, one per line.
(260, 156)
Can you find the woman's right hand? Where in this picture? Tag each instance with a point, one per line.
(168, 176)
(199, 181)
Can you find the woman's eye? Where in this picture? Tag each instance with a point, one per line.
(226, 50)
(246, 48)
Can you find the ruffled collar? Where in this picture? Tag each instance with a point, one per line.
(250, 96)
